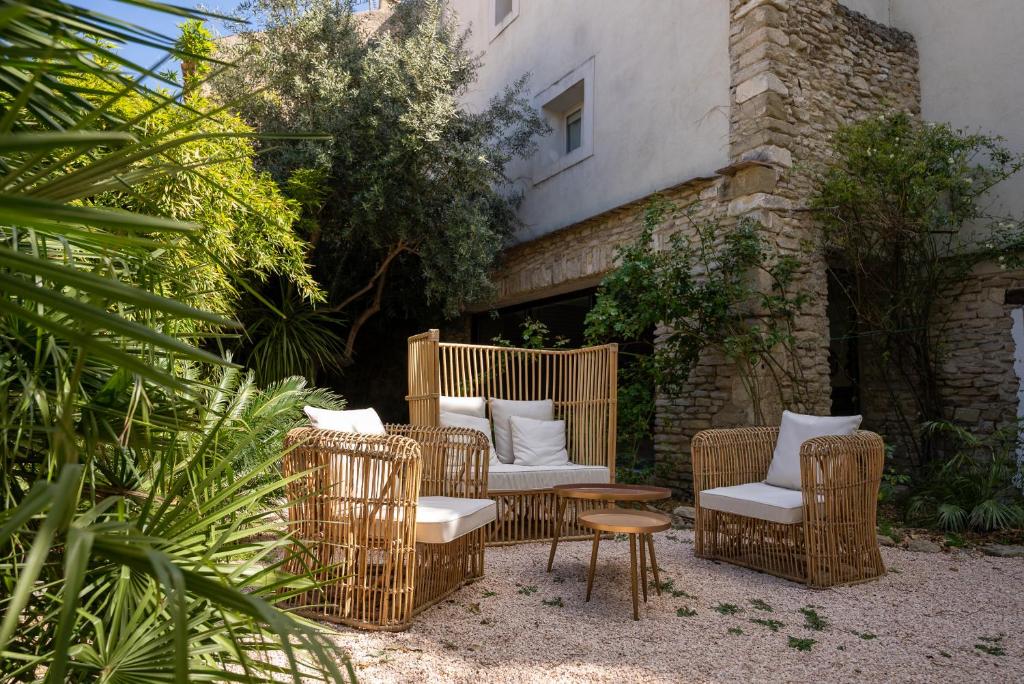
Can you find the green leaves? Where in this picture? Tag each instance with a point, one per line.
(136, 540)
(702, 287)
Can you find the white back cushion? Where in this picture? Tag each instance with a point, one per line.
(796, 429)
(468, 406)
(503, 409)
(360, 421)
(473, 422)
(538, 442)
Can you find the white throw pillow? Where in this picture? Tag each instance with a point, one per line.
(359, 421)
(482, 424)
(538, 442)
(796, 429)
(503, 409)
(467, 406)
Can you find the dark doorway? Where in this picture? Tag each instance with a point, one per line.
(564, 317)
(844, 351)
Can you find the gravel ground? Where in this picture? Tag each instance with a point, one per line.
(923, 622)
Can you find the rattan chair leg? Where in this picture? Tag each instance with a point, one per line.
(593, 563)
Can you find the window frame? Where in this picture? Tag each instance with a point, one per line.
(578, 113)
(497, 27)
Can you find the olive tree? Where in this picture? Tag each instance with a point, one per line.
(415, 204)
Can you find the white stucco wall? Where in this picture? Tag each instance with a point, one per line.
(660, 94)
(972, 69)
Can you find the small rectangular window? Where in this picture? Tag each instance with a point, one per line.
(502, 8)
(573, 130)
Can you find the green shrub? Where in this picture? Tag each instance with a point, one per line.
(972, 489)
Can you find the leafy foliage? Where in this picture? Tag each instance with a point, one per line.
(133, 490)
(972, 489)
(699, 291)
(417, 183)
(901, 206)
(247, 221)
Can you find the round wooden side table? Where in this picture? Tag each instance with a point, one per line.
(610, 493)
(632, 522)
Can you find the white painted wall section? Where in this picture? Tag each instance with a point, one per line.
(658, 104)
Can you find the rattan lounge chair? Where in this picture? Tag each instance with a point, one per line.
(581, 382)
(398, 520)
(822, 535)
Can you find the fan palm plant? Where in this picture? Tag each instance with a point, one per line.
(134, 527)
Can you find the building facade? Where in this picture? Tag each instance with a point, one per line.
(727, 107)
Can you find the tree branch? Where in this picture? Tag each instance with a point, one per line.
(381, 272)
(368, 312)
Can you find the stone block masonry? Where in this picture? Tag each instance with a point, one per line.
(800, 69)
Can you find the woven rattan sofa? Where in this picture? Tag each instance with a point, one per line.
(397, 521)
(581, 382)
(822, 534)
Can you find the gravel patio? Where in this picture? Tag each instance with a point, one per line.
(935, 617)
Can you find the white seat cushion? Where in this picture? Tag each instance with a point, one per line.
(510, 477)
(796, 429)
(756, 500)
(441, 519)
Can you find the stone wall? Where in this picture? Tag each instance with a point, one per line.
(577, 257)
(800, 69)
(977, 350)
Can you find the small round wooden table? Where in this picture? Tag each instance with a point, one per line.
(610, 493)
(632, 522)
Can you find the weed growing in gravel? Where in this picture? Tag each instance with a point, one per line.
(621, 537)
(685, 611)
(992, 646)
(866, 636)
(668, 586)
(944, 654)
(473, 608)
(758, 604)
(812, 620)
(488, 593)
(735, 630)
(728, 608)
(527, 590)
(801, 644)
(770, 624)
(554, 603)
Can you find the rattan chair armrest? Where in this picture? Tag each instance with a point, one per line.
(731, 456)
(454, 459)
(842, 472)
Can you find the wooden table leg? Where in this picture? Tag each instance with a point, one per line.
(654, 565)
(643, 565)
(593, 563)
(558, 530)
(632, 575)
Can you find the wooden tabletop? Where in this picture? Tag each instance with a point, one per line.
(612, 492)
(625, 521)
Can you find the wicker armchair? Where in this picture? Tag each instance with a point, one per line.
(353, 511)
(833, 539)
